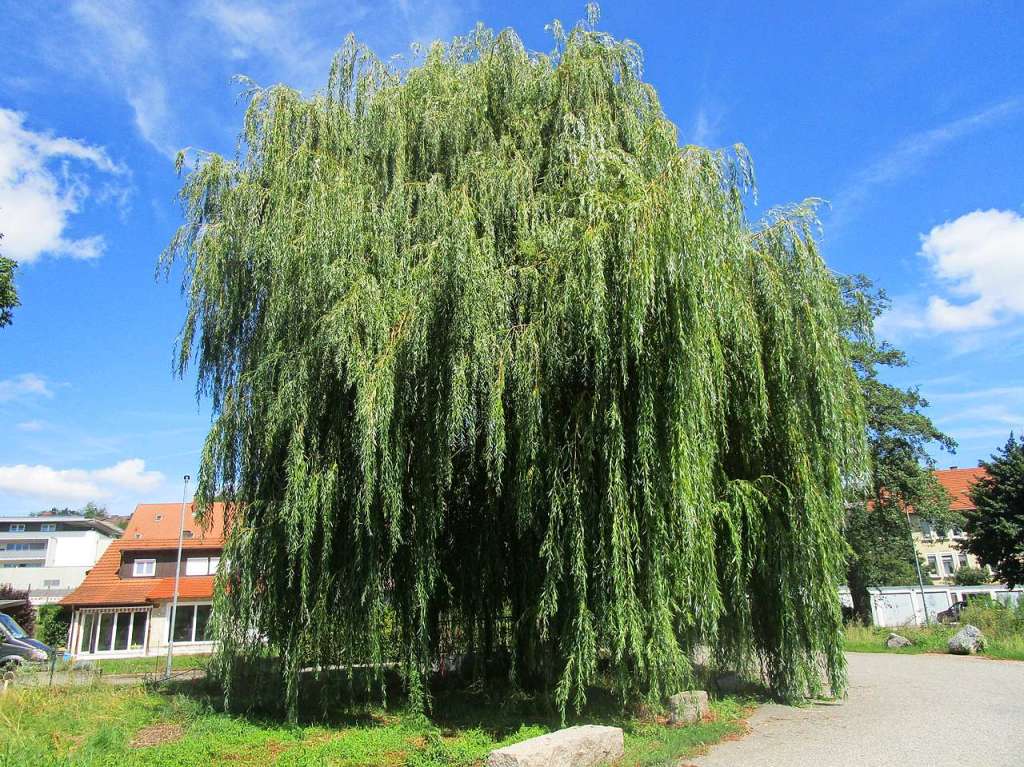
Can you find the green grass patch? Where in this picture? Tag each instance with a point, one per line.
(1003, 629)
(97, 725)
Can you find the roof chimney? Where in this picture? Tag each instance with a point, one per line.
(954, 467)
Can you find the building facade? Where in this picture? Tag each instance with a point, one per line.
(50, 555)
(941, 549)
(123, 608)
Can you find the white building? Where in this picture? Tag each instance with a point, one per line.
(50, 555)
(894, 606)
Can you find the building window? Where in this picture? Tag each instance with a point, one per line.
(958, 532)
(192, 624)
(144, 568)
(926, 529)
(113, 631)
(947, 564)
(963, 560)
(17, 528)
(933, 564)
(48, 527)
(201, 565)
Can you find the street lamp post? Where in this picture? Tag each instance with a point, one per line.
(917, 563)
(177, 578)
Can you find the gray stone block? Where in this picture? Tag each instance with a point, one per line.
(967, 641)
(583, 746)
(687, 707)
(895, 640)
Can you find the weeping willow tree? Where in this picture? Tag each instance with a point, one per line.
(496, 363)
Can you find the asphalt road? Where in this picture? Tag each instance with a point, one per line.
(932, 710)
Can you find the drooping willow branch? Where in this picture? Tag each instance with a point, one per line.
(494, 361)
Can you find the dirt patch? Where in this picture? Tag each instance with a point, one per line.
(155, 734)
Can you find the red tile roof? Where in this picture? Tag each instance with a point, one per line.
(957, 482)
(152, 526)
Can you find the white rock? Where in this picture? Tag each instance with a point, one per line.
(581, 746)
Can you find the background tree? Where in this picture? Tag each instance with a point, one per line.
(995, 530)
(8, 294)
(493, 360)
(899, 435)
(24, 614)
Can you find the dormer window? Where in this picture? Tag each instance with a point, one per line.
(159, 518)
(17, 528)
(186, 533)
(48, 527)
(144, 568)
(138, 536)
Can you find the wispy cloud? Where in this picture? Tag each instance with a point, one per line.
(173, 64)
(909, 155)
(24, 386)
(706, 127)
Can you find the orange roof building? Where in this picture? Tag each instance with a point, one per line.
(941, 550)
(123, 607)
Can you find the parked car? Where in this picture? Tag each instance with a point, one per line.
(952, 613)
(17, 647)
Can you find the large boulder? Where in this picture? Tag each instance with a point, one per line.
(895, 640)
(687, 707)
(581, 746)
(967, 641)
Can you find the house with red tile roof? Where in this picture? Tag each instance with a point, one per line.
(123, 607)
(941, 548)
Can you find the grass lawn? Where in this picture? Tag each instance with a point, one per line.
(1002, 627)
(94, 725)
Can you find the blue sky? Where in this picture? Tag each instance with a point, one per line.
(908, 117)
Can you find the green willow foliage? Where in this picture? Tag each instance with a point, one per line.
(496, 364)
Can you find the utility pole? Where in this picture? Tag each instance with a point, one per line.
(177, 578)
(917, 564)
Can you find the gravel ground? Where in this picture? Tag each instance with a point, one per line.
(934, 710)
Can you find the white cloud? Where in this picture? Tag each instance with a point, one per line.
(24, 386)
(979, 258)
(130, 474)
(40, 190)
(75, 485)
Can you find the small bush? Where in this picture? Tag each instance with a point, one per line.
(996, 621)
(24, 614)
(52, 625)
(970, 576)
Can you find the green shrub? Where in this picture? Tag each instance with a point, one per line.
(52, 624)
(970, 576)
(996, 621)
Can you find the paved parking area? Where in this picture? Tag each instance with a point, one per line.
(934, 710)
